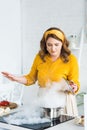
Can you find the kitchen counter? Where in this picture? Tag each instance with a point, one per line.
(67, 125)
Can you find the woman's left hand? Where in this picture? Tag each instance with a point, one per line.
(73, 85)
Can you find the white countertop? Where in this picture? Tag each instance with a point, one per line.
(67, 125)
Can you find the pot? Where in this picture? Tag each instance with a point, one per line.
(53, 113)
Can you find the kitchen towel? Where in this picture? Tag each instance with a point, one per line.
(71, 105)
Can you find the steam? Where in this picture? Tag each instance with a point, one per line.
(27, 115)
(53, 95)
(50, 97)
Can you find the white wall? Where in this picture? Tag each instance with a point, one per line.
(10, 36)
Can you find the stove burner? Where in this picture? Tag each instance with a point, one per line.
(43, 126)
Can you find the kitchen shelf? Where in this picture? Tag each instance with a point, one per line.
(76, 44)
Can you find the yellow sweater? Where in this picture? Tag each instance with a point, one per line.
(53, 71)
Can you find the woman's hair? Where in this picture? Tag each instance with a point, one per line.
(58, 35)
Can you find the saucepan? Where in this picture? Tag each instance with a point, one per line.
(52, 113)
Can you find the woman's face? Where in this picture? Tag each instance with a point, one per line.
(53, 47)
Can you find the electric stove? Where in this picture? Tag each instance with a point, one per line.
(43, 126)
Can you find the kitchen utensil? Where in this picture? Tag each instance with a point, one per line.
(52, 113)
(71, 89)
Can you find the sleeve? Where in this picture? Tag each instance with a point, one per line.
(74, 72)
(32, 76)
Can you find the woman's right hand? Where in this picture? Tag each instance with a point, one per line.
(19, 79)
(10, 76)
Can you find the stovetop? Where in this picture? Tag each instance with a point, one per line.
(43, 126)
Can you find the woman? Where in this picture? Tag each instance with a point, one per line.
(53, 63)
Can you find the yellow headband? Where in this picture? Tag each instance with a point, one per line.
(55, 32)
